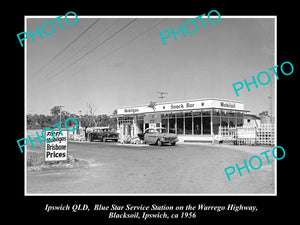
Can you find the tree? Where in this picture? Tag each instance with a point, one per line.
(91, 110)
(30, 121)
(55, 111)
(105, 120)
(263, 113)
(43, 121)
(152, 105)
(85, 122)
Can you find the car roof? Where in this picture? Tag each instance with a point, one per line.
(101, 128)
(155, 128)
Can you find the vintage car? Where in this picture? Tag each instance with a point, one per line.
(158, 136)
(103, 134)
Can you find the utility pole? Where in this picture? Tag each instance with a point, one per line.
(79, 118)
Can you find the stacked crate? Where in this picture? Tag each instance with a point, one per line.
(265, 134)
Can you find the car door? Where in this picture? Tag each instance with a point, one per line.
(148, 136)
(99, 134)
(152, 136)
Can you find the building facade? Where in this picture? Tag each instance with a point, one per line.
(192, 120)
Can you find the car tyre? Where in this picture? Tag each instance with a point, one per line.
(173, 143)
(158, 142)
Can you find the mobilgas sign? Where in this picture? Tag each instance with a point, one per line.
(130, 110)
(227, 104)
(56, 148)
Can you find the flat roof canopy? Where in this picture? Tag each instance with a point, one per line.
(183, 106)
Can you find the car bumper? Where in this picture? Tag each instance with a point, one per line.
(112, 138)
(170, 140)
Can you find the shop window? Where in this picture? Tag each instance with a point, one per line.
(172, 125)
(171, 115)
(216, 124)
(231, 113)
(206, 125)
(224, 121)
(239, 122)
(164, 123)
(197, 113)
(239, 114)
(188, 114)
(197, 125)
(232, 121)
(188, 125)
(179, 125)
(216, 112)
(206, 112)
(224, 113)
(179, 115)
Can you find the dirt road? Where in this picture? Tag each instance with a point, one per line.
(181, 169)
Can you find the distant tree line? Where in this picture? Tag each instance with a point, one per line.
(41, 121)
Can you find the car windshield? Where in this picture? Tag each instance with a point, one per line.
(161, 130)
(98, 131)
(101, 130)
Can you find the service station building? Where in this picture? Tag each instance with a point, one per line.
(192, 120)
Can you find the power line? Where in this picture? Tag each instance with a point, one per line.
(127, 42)
(89, 52)
(124, 44)
(76, 53)
(65, 48)
(162, 94)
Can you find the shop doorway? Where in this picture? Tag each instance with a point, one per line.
(127, 130)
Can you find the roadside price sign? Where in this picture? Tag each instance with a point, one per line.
(56, 149)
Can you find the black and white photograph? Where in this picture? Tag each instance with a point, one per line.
(153, 118)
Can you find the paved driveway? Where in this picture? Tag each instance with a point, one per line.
(180, 169)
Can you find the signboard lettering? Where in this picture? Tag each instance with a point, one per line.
(131, 110)
(227, 104)
(56, 149)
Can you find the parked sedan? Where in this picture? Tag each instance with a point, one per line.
(158, 136)
(103, 134)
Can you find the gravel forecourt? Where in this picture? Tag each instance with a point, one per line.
(111, 168)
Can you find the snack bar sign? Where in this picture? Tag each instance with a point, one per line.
(57, 148)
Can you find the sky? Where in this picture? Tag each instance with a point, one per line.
(129, 68)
